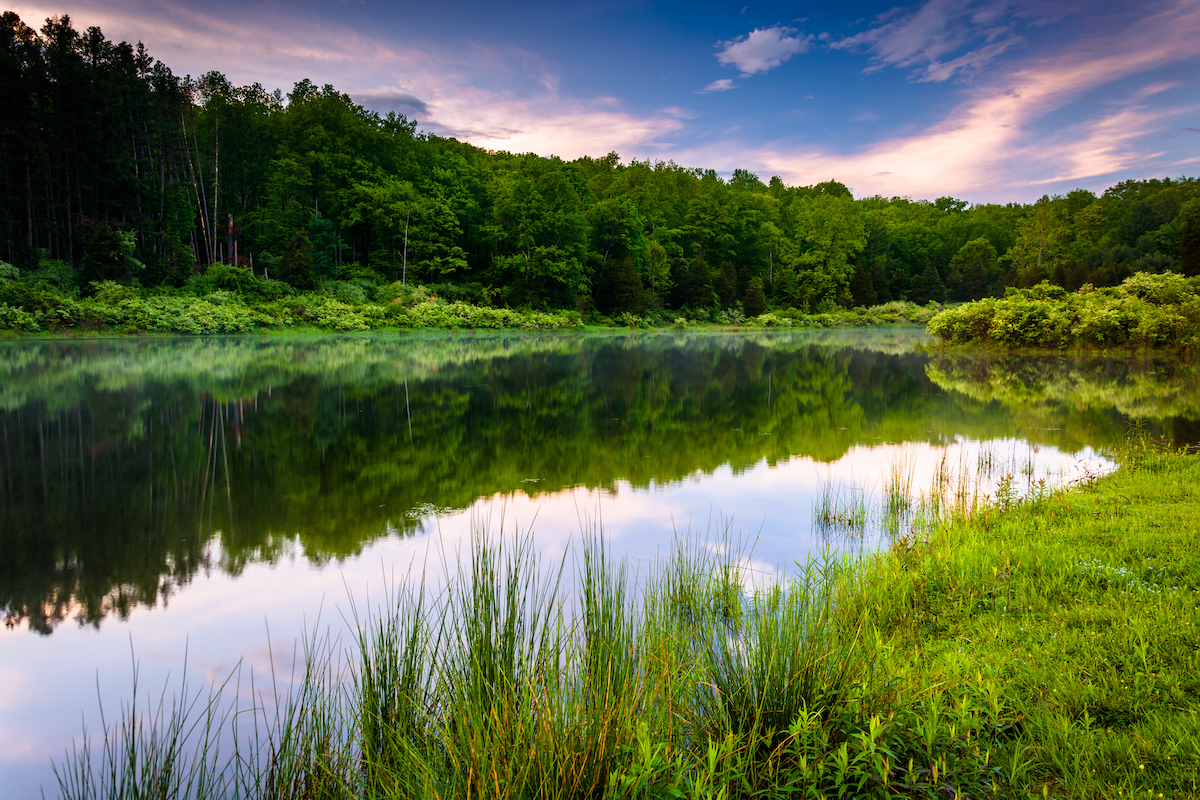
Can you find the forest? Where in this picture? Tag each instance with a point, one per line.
(137, 199)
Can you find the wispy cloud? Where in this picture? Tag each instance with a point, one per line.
(924, 39)
(992, 144)
(1155, 88)
(762, 49)
(445, 89)
(722, 85)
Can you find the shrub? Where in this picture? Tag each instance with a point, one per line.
(239, 280)
(770, 320)
(970, 322)
(347, 292)
(1146, 310)
(17, 319)
(1167, 288)
(404, 294)
(337, 316)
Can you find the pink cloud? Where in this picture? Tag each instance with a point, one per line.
(988, 145)
(442, 88)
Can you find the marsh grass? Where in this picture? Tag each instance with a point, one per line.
(506, 683)
(1030, 643)
(840, 509)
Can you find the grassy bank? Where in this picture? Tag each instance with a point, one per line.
(1147, 311)
(231, 300)
(1012, 648)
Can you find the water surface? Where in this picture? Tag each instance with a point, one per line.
(166, 497)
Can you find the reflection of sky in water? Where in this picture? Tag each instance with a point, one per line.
(48, 681)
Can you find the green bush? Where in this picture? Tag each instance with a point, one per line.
(402, 294)
(1147, 310)
(225, 310)
(770, 320)
(335, 315)
(16, 319)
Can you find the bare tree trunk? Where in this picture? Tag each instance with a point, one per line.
(216, 173)
(404, 273)
(197, 184)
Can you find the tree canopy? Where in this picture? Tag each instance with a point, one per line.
(113, 168)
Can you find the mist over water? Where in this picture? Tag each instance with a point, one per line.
(161, 497)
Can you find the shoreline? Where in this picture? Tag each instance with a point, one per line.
(1011, 648)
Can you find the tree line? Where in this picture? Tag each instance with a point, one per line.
(116, 169)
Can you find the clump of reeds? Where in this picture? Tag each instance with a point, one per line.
(164, 749)
(840, 509)
(518, 680)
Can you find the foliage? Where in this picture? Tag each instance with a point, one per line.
(319, 191)
(755, 301)
(1145, 311)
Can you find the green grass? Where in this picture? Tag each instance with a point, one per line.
(1044, 647)
(1083, 610)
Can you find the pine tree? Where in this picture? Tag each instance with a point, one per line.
(105, 259)
(627, 288)
(1189, 246)
(928, 286)
(699, 294)
(296, 265)
(727, 284)
(755, 301)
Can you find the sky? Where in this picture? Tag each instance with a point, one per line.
(988, 101)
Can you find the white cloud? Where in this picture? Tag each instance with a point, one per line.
(762, 49)
(990, 145)
(723, 85)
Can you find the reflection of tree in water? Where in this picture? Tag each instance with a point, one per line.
(129, 466)
(1097, 396)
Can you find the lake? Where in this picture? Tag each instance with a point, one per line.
(199, 503)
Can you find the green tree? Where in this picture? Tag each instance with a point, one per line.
(1040, 245)
(628, 295)
(829, 231)
(727, 284)
(110, 257)
(972, 270)
(1189, 248)
(296, 266)
(658, 271)
(755, 301)
(928, 286)
(698, 294)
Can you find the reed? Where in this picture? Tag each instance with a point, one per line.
(962, 661)
(840, 509)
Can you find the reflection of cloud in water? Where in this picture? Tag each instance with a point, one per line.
(773, 505)
(222, 619)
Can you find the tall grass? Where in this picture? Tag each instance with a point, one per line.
(519, 679)
(840, 509)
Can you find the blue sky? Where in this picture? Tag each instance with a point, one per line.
(980, 99)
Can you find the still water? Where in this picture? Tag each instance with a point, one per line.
(193, 504)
